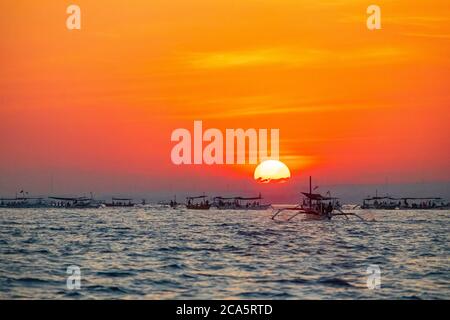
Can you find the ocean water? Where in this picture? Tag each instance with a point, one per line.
(156, 253)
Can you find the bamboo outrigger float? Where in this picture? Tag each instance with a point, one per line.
(316, 207)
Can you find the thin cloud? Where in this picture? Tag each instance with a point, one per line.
(406, 21)
(427, 35)
(290, 57)
(258, 57)
(274, 106)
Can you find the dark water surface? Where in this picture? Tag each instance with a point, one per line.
(153, 253)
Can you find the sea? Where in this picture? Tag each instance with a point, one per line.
(163, 253)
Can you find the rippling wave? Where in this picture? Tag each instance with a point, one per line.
(152, 253)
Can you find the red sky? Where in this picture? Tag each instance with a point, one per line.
(93, 110)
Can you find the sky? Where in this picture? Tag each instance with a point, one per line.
(93, 109)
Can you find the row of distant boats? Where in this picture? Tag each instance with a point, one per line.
(25, 201)
(203, 202)
(194, 203)
(221, 203)
(415, 203)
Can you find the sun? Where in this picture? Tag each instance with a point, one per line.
(271, 171)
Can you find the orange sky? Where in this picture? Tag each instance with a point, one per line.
(94, 109)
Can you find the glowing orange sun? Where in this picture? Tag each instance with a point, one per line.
(271, 171)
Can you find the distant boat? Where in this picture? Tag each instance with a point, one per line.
(75, 202)
(386, 203)
(197, 203)
(239, 203)
(120, 202)
(22, 202)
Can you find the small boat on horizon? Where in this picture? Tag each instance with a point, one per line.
(120, 202)
(240, 203)
(22, 202)
(192, 203)
(75, 202)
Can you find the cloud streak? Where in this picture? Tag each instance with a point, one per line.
(291, 57)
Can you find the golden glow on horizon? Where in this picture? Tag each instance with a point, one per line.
(271, 171)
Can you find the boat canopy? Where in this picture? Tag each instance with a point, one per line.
(19, 198)
(224, 198)
(317, 196)
(197, 197)
(70, 198)
(422, 198)
(381, 198)
(239, 198)
(251, 198)
(403, 198)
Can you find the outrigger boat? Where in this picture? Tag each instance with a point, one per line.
(387, 203)
(202, 205)
(75, 202)
(22, 202)
(240, 203)
(316, 207)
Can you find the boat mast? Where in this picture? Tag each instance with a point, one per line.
(310, 191)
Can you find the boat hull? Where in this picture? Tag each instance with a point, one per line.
(316, 217)
(255, 208)
(198, 207)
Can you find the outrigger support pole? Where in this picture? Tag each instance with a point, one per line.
(300, 212)
(283, 209)
(342, 213)
(277, 213)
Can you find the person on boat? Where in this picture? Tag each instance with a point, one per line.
(329, 208)
(305, 203)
